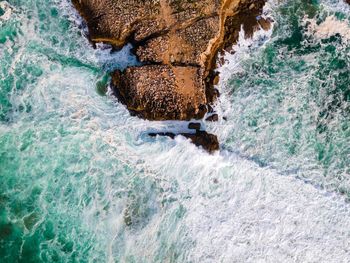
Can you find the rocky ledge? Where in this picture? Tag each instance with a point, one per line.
(177, 42)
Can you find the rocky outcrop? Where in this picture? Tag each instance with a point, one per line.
(177, 41)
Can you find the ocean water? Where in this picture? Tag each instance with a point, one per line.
(80, 181)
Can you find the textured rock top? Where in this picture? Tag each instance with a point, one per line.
(178, 42)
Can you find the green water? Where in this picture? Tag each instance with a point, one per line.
(81, 182)
(293, 99)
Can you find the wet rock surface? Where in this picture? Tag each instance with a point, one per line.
(213, 118)
(207, 141)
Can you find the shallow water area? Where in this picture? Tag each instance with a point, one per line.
(82, 182)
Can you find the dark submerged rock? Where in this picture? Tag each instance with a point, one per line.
(207, 141)
(194, 126)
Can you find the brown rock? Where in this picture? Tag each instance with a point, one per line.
(216, 80)
(265, 23)
(179, 40)
(194, 126)
(208, 141)
(114, 21)
(213, 118)
(162, 92)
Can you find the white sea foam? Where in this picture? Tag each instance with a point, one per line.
(336, 6)
(4, 5)
(330, 27)
(235, 210)
(208, 207)
(244, 49)
(196, 207)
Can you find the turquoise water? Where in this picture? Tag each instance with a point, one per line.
(293, 98)
(82, 182)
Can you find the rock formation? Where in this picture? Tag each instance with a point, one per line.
(159, 92)
(177, 42)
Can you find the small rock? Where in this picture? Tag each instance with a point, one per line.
(266, 23)
(194, 126)
(168, 134)
(213, 118)
(207, 141)
(216, 80)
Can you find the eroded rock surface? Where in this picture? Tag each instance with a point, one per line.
(159, 92)
(178, 42)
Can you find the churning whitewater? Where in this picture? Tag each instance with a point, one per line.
(81, 181)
